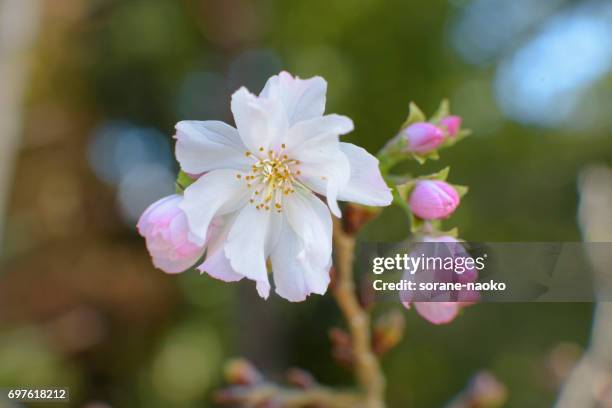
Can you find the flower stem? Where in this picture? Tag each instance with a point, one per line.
(368, 372)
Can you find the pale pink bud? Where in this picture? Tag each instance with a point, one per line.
(243, 372)
(165, 229)
(438, 312)
(452, 124)
(438, 306)
(423, 137)
(433, 199)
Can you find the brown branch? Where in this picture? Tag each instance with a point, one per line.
(368, 372)
(274, 395)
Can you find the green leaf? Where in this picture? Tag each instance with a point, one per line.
(403, 191)
(442, 112)
(183, 180)
(441, 175)
(461, 190)
(419, 158)
(450, 141)
(422, 158)
(415, 115)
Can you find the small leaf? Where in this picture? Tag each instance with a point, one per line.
(461, 190)
(422, 158)
(415, 115)
(441, 175)
(433, 155)
(451, 141)
(442, 112)
(419, 158)
(404, 190)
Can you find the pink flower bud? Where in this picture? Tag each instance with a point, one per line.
(452, 125)
(433, 199)
(164, 227)
(423, 137)
(439, 306)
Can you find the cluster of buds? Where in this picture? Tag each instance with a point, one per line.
(248, 388)
(425, 137)
(421, 138)
(427, 199)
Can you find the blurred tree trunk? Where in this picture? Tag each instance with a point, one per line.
(19, 21)
(590, 384)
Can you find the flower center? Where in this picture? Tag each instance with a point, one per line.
(272, 176)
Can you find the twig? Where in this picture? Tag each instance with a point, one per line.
(274, 395)
(367, 367)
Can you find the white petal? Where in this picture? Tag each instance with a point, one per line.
(246, 246)
(296, 275)
(215, 193)
(324, 168)
(263, 288)
(309, 218)
(261, 122)
(302, 98)
(216, 264)
(308, 134)
(366, 185)
(209, 145)
(325, 174)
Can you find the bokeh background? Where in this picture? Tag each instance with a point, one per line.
(90, 91)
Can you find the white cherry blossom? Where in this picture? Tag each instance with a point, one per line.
(263, 180)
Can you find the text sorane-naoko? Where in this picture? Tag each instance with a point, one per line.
(407, 285)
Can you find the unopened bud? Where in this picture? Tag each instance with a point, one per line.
(388, 332)
(301, 378)
(342, 348)
(423, 137)
(452, 124)
(433, 199)
(487, 391)
(240, 371)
